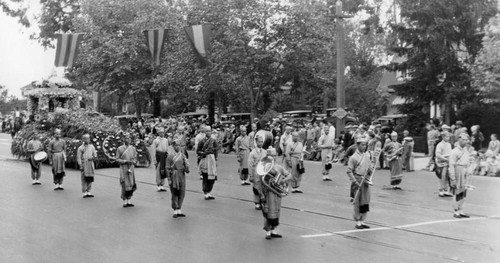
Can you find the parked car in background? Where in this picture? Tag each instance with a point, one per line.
(302, 116)
(392, 120)
(234, 118)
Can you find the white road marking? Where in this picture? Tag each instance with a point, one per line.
(317, 235)
(399, 227)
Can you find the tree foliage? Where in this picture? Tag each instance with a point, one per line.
(486, 69)
(258, 46)
(438, 38)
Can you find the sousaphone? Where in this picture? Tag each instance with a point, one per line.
(272, 179)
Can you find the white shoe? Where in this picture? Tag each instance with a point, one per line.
(34, 182)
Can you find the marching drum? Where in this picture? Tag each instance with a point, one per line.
(267, 136)
(40, 156)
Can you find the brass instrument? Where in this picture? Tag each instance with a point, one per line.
(394, 155)
(273, 181)
(368, 176)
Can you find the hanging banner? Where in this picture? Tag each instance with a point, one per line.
(155, 38)
(67, 49)
(199, 36)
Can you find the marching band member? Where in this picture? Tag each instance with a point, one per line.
(34, 146)
(57, 158)
(442, 155)
(126, 156)
(160, 144)
(252, 135)
(253, 159)
(393, 151)
(459, 162)
(85, 156)
(181, 140)
(271, 202)
(285, 139)
(242, 148)
(178, 166)
(407, 158)
(325, 143)
(357, 168)
(207, 153)
(294, 162)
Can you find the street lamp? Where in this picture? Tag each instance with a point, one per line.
(340, 92)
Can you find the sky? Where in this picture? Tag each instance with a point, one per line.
(21, 60)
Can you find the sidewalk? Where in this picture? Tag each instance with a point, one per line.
(420, 161)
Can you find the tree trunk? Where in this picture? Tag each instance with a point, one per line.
(211, 106)
(138, 106)
(253, 101)
(325, 99)
(157, 104)
(447, 110)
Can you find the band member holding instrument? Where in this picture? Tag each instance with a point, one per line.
(35, 146)
(207, 152)
(57, 158)
(294, 161)
(393, 151)
(442, 155)
(325, 143)
(271, 202)
(358, 167)
(126, 156)
(253, 159)
(178, 166)
(242, 148)
(160, 144)
(459, 162)
(85, 156)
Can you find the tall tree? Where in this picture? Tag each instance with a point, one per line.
(486, 69)
(438, 38)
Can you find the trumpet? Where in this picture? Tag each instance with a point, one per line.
(272, 180)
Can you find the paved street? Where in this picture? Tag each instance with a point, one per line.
(38, 224)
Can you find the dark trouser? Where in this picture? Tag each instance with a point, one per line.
(270, 224)
(381, 160)
(207, 185)
(256, 195)
(36, 169)
(243, 174)
(178, 195)
(126, 194)
(58, 177)
(86, 184)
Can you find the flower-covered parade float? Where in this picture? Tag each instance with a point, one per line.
(54, 104)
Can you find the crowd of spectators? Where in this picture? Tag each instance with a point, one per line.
(486, 157)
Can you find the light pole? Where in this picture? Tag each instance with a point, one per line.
(340, 113)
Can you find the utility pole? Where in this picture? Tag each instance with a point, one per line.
(340, 113)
